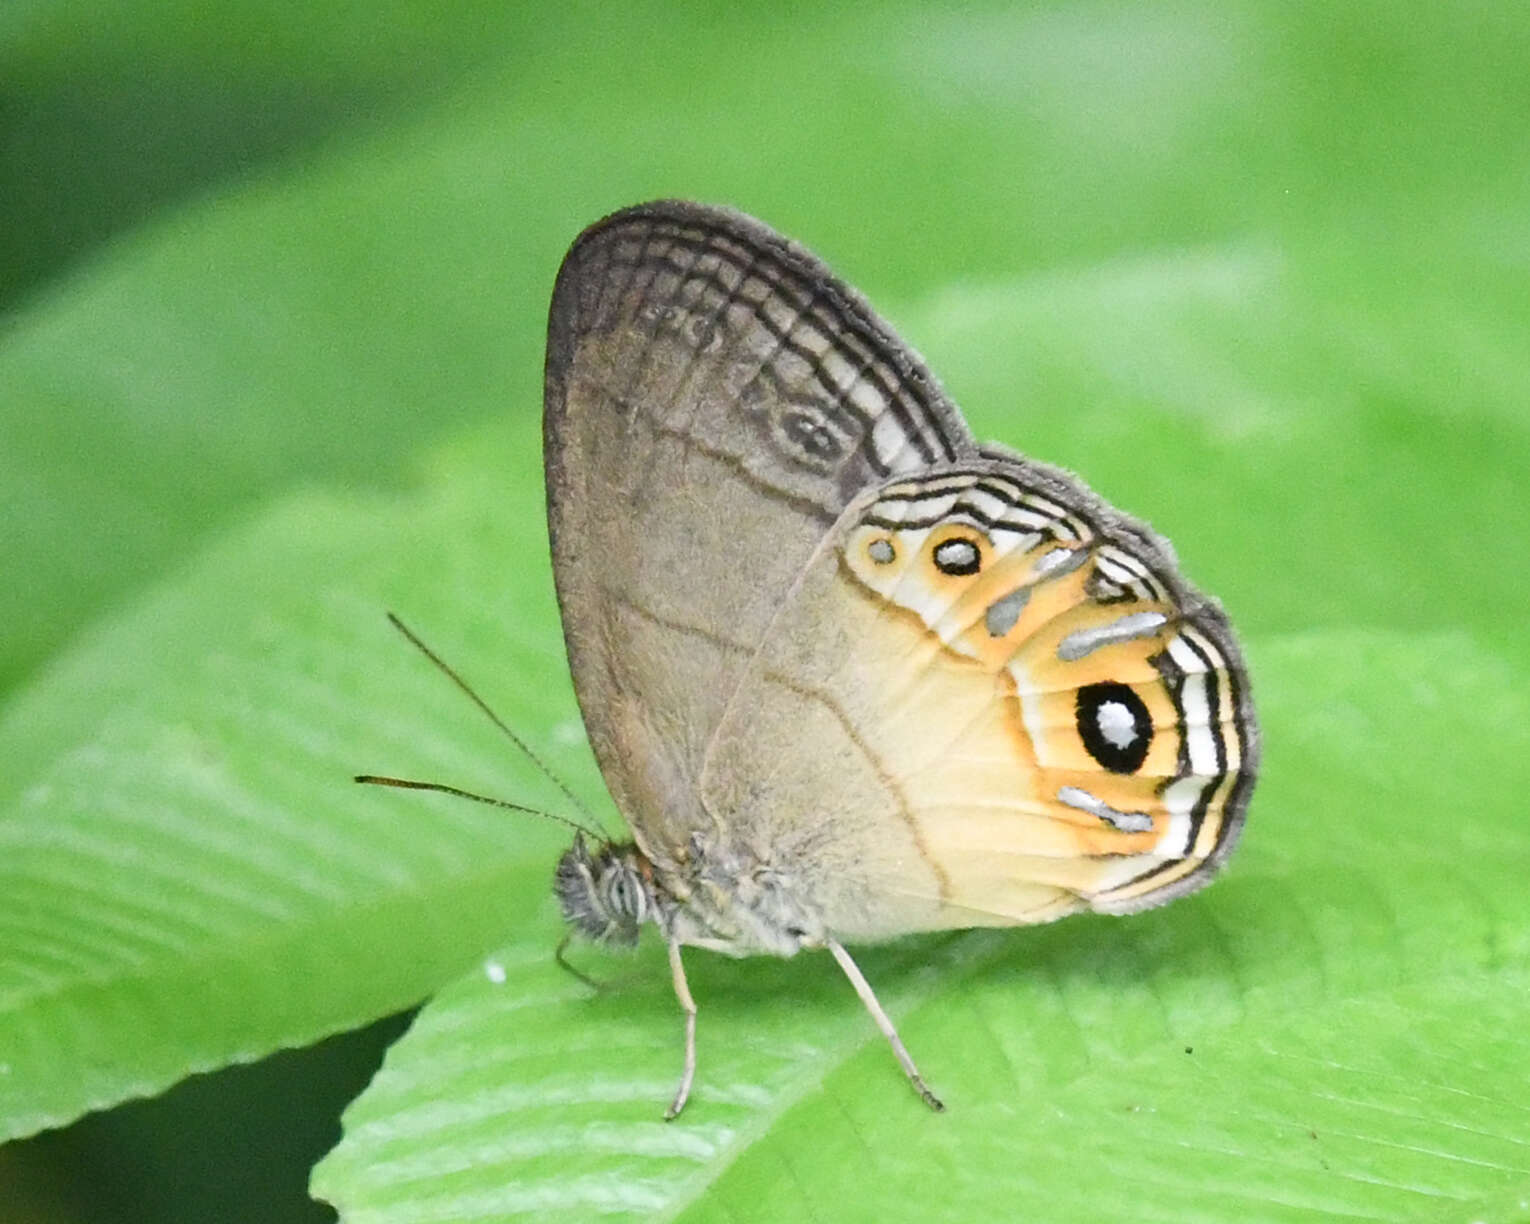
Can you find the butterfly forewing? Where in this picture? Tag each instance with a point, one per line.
(714, 399)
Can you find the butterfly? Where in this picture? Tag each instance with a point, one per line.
(849, 674)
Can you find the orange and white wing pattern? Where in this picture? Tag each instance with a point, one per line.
(1016, 709)
(1123, 713)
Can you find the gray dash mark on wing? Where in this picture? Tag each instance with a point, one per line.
(1082, 641)
(1126, 822)
(1059, 561)
(1003, 613)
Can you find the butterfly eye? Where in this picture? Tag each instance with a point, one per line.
(881, 551)
(1115, 726)
(623, 895)
(957, 556)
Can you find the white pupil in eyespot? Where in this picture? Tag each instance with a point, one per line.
(957, 556)
(881, 551)
(1117, 727)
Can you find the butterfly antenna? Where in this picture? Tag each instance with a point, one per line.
(444, 789)
(447, 670)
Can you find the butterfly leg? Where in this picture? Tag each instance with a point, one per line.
(570, 968)
(863, 988)
(688, 1005)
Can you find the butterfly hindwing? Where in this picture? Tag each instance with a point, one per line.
(1013, 680)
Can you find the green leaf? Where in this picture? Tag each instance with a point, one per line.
(1333, 1030)
(190, 875)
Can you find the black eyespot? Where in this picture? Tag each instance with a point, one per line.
(958, 555)
(1115, 726)
(811, 436)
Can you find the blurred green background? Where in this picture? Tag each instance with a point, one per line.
(251, 252)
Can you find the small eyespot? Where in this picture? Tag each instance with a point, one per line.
(957, 556)
(811, 436)
(881, 551)
(706, 336)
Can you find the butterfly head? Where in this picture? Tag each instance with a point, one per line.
(607, 893)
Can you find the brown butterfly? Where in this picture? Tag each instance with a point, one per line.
(849, 674)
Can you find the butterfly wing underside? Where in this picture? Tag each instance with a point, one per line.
(1017, 708)
(714, 400)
